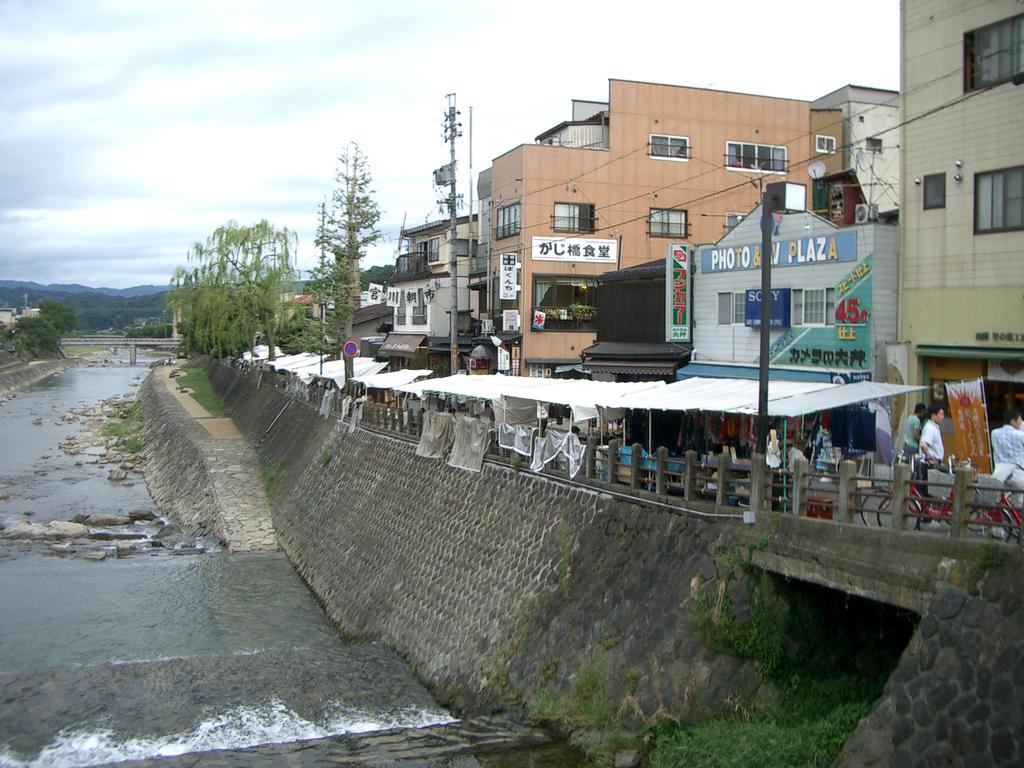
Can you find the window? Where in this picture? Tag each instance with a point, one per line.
(755, 157)
(813, 306)
(825, 145)
(669, 147)
(732, 219)
(400, 309)
(935, 190)
(731, 308)
(419, 312)
(667, 222)
(993, 54)
(574, 217)
(507, 221)
(873, 144)
(999, 200)
(567, 302)
(431, 249)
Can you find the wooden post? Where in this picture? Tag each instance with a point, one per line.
(613, 460)
(723, 471)
(634, 466)
(799, 470)
(690, 476)
(758, 474)
(961, 510)
(589, 457)
(844, 490)
(659, 476)
(900, 490)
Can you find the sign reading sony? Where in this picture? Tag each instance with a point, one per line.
(785, 253)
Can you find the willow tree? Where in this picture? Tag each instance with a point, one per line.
(239, 283)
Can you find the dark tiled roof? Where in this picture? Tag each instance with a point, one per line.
(371, 312)
(629, 350)
(639, 272)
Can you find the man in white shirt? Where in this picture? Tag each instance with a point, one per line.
(1008, 452)
(931, 437)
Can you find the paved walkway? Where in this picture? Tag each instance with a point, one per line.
(247, 523)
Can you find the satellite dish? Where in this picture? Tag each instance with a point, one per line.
(860, 159)
(816, 169)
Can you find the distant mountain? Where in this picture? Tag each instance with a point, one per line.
(137, 290)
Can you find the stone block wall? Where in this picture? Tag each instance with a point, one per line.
(490, 583)
(12, 381)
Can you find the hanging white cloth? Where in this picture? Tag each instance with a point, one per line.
(470, 445)
(516, 437)
(438, 435)
(554, 444)
(325, 404)
(357, 416)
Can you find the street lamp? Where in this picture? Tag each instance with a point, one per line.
(780, 197)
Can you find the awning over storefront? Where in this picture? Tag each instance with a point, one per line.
(401, 344)
(834, 397)
(635, 367)
(970, 353)
(775, 373)
(643, 359)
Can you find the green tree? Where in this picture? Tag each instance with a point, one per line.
(239, 284)
(349, 230)
(60, 316)
(36, 335)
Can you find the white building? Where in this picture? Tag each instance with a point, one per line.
(833, 307)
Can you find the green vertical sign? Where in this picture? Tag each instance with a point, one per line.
(677, 292)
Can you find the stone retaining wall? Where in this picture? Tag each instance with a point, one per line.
(12, 381)
(490, 583)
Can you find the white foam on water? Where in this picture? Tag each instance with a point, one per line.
(272, 723)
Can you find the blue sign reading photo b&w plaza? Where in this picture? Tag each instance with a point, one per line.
(841, 246)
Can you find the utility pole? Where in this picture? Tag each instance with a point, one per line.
(451, 132)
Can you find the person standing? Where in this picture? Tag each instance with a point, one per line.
(1008, 453)
(931, 436)
(912, 433)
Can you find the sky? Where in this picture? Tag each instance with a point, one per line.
(131, 130)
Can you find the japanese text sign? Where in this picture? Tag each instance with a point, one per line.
(589, 250)
(970, 422)
(677, 290)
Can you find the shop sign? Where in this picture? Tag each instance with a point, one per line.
(780, 308)
(508, 279)
(510, 320)
(394, 297)
(970, 422)
(582, 249)
(677, 288)
(847, 343)
(539, 318)
(785, 253)
(412, 298)
(375, 293)
(504, 360)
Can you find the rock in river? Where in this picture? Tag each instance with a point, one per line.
(102, 520)
(117, 475)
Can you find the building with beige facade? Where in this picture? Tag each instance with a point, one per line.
(962, 209)
(614, 187)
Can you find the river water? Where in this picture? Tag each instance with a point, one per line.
(162, 653)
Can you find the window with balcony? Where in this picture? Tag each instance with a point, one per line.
(573, 217)
(507, 222)
(935, 191)
(825, 145)
(755, 157)
(568, 302)
(667, 222)
(999, 200)
(431, 249)
(663, 147)
(993, 54)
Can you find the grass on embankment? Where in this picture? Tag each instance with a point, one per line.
(128, 430)
(198, 381)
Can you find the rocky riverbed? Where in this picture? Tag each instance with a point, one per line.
(95, 536)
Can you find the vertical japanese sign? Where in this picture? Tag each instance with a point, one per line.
(394, 297)
(677, 292)
(508, 279)
(970, 422)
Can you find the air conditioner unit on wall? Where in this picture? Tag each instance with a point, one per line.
(865, 213)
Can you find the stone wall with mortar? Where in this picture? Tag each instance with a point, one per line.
(12, 381)
(490, 583)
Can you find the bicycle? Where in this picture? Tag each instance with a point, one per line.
(918, 505)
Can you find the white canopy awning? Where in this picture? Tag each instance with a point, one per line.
(392, 379)
(582, 395)
(260, 352)
(725, 395)
(479, 387)
(292, 362)
(835, 397)
(335, 369)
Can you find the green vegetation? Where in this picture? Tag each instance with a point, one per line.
(35, 336)
(379, 274)
(151, 331)
(325, 458)
(127, 430)
(198, 381)
(273, 476)
(78, 351)
(805, 644)
(93, 311)
(60, 316)
(241, 281)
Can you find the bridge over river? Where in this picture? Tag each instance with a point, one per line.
(133, 344)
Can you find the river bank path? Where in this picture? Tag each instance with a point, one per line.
(235, 473)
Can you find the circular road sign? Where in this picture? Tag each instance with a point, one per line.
(351, 349)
